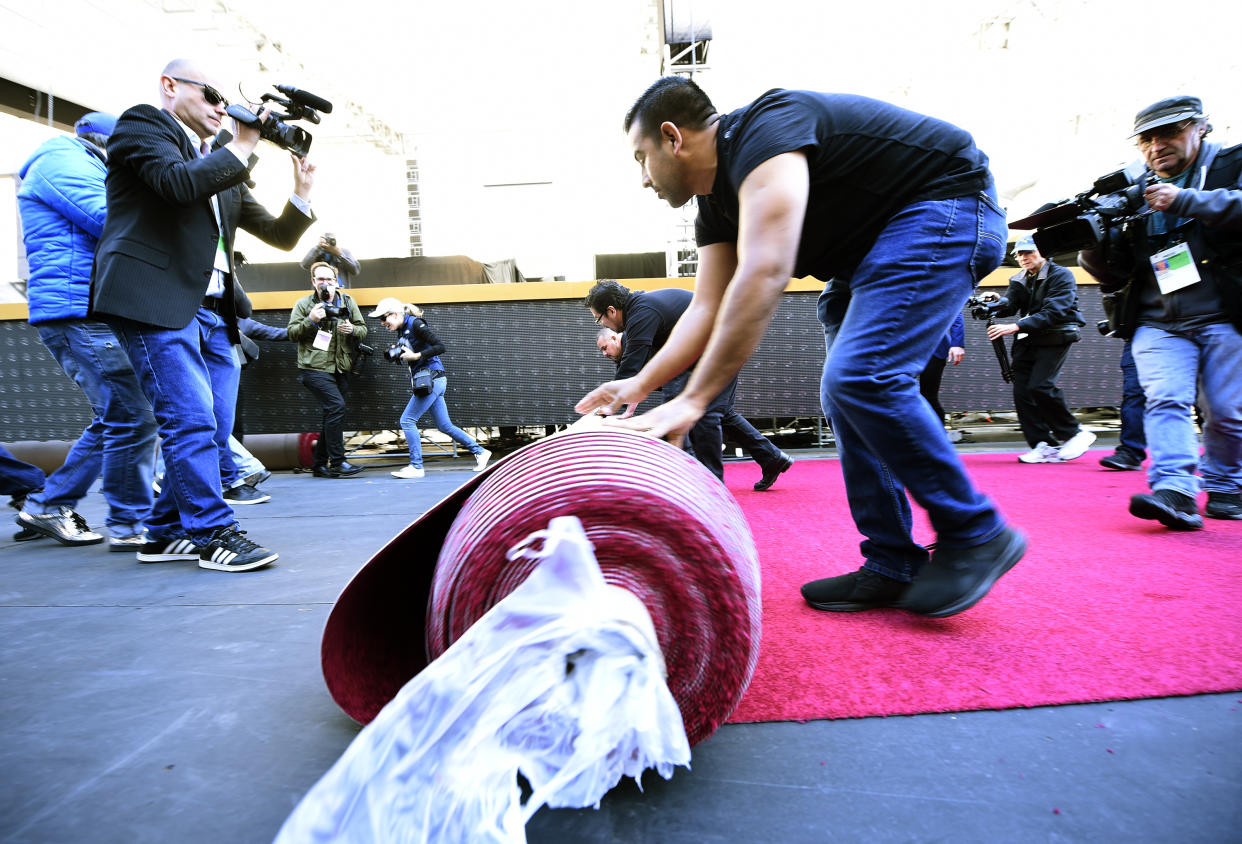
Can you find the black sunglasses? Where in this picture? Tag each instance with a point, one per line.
(210, 94)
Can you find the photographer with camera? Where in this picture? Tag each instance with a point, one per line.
(341, 259)
(1174, 282)
(1046, 297)
(329, 330)
(164, 280)
(419, 348)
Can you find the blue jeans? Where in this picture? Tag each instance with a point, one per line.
(245, 464)
(17, 477)
(881, 326)
(433, 402)
(119, 441)
(190, 376)
(1171, 365)
(1133, 403)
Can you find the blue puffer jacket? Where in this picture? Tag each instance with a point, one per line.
(63, 205)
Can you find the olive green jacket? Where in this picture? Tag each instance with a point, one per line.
(341, 351)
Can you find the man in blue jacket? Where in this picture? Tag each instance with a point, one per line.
(62, 205)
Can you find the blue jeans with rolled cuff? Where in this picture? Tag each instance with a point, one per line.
(119, 442)
(881, 325)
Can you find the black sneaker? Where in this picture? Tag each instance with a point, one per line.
(772, 471)
(955, 579)
(1122, 461)
(1224, 505)
(856, 591)
(167, 551)
(65, 526)
(343, 469)
(245, 494)
(230, 550)
(1172, 509)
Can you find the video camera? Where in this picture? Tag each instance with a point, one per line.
(298, 105)
(981, 308)
(1115, 199)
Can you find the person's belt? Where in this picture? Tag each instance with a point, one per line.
(211, 303)
(437, 373)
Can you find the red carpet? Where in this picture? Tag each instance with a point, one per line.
(1103, 606)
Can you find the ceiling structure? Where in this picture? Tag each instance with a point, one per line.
(513, 109)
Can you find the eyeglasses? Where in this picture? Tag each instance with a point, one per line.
(1162, 133)
(599, 316)
(324, 278)
(210, 94)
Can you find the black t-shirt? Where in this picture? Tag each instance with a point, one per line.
(649, 318)
(868, 159)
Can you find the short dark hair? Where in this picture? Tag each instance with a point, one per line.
(606, 294)
(674, 99)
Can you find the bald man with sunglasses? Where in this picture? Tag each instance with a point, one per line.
(164, 280)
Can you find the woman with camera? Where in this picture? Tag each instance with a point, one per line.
(419, 347)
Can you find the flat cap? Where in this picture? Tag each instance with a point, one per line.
(1164, 112)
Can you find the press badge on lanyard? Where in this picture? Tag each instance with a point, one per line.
(1174, 268)
(322, 340)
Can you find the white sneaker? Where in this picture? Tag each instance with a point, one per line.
(1077, 445)
(1042, 453)
(480, 460)
(410, 471)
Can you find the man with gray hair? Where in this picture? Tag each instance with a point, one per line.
(1176, 285)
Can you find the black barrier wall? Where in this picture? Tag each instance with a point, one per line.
(526, 363)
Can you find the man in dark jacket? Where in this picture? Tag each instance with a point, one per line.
(1175, 287)
(62, 204)
(164, 280)
(1046, 297)
(647, 318)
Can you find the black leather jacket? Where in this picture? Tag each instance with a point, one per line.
(1048, 305)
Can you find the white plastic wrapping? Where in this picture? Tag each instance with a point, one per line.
(562, 680)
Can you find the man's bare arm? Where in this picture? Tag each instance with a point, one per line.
(772, 203)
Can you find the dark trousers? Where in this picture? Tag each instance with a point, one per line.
(331, 389)
(929, 384)
(1133, 402)
(1042, 412)
(707, 435)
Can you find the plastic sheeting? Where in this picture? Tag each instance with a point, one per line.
(562, 681)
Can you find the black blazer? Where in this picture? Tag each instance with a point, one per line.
(155, 256)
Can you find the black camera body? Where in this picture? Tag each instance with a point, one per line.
(394, 352)
(1116, 199)
(982, 309)
(329, 239)
(297, 105)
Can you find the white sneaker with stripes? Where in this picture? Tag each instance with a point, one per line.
(230, 550)
(167, 551)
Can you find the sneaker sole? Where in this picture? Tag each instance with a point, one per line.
(1146, 508)
(254, 564)
(260, 500)
(1224, 516)
(850, 607)
(170, 556)
(1007, 559)
(51, 534)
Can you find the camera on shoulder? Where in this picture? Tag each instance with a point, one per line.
(1114, 201)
